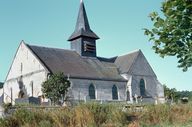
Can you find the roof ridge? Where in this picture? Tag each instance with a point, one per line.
(82, 27)
(41, 46)
(134, 60)
(134, 51)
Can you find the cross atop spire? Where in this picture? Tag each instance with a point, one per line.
(82, 28)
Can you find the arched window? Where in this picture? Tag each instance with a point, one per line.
(128, 95)
(114, 93)
(92, 91)
(142, 87)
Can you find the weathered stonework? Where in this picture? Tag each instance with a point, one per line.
(103, 89)
(26, 67)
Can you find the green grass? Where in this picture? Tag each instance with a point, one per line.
(101, 115)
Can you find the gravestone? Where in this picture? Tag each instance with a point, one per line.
(28, 100)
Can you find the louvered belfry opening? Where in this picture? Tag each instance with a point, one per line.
(89, 47)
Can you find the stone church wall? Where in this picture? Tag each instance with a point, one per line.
(13, 86)
(154, 89)
(141, 69)
(25, 72)
(103, 89)
(150, 85)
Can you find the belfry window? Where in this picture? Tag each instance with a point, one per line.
(142, 87)
(114, 92)
(91, 91)
(89, 47)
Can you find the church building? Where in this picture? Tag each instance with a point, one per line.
(122, 78)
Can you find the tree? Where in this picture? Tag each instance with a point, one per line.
(56, 87)
(182, 94)
(170, 93)
(172, 33)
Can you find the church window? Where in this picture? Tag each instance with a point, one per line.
(128, 95)
(92, 91)
(142, 87)
(114, 92)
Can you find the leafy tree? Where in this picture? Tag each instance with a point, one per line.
(182, 94)
(172, 33)
(56, 87)
(170, 93)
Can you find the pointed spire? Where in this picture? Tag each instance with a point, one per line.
(82, 20)
(82, 26)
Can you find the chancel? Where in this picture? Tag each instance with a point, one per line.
(92, 77)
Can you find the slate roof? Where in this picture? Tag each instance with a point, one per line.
(125, 62)
(82, 26)
(82, 33)
(70, 62)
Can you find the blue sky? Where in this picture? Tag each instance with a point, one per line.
(118, 23)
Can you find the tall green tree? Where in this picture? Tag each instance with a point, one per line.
(56, 87)
(172, 32)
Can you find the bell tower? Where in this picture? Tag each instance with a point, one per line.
(83, 39)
